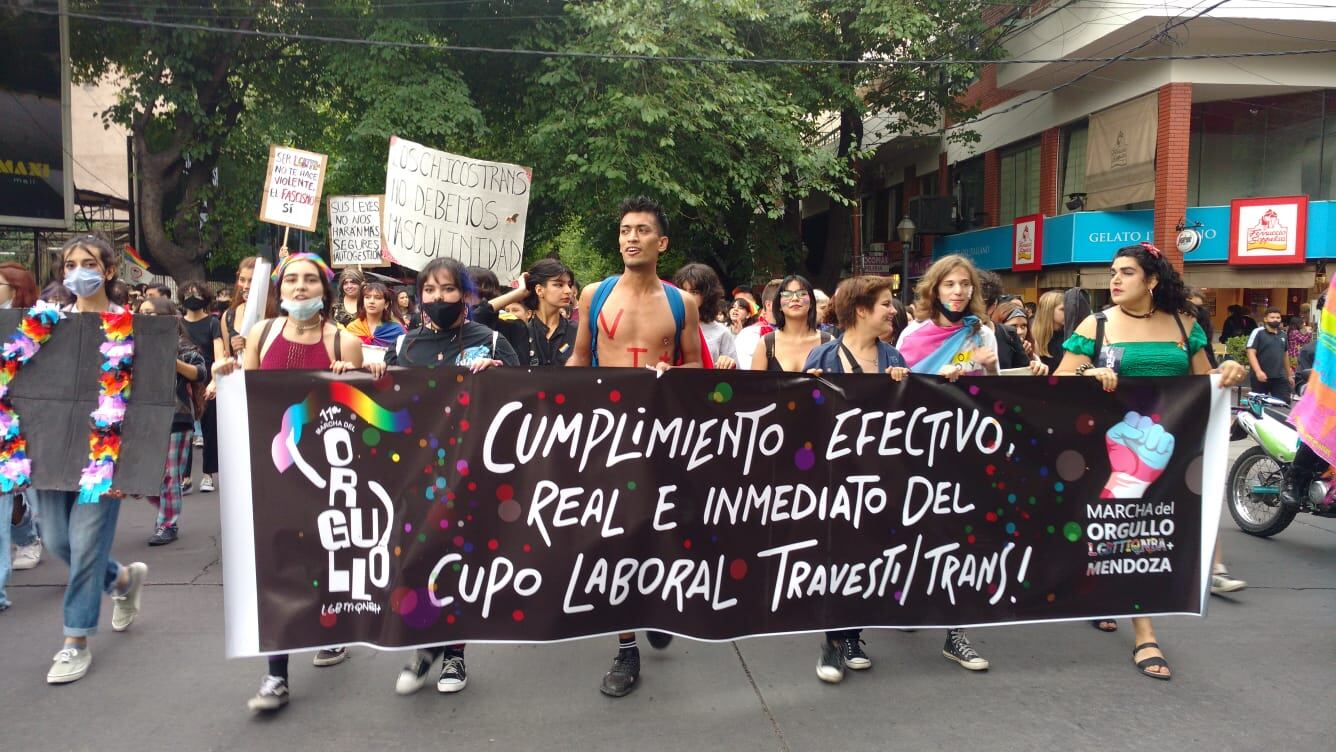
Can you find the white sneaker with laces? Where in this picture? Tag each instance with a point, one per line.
(273, 695)
(125, 606)
(27, 556)
(69, 665)
(1224, 582)
(206, 484)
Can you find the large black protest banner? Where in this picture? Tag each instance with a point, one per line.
(434, 506)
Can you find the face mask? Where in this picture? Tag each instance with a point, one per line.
(83, 282)
(7, 304)
(302, 310)
(443, 315)
(953, 316)
(194, 304)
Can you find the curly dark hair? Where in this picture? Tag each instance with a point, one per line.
(702, 279)
(1170, 295)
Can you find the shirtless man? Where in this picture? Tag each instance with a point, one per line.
(636, 329)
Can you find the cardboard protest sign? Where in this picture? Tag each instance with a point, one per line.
(441, 205)
(293, 183)
(55, 392)
(434, 506)
(355, 231)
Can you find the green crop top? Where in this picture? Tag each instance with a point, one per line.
(1146, 358)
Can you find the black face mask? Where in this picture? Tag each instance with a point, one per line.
(443, 315)
(953, 316)
(194, 304)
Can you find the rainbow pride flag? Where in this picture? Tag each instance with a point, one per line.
(1315, 415)
(134, 256)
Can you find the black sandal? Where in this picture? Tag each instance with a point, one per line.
(1146, 663)
(1105, 625)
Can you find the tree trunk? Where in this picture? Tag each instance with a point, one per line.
(160, 174)
(839, 232)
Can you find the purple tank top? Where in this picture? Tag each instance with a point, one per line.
(285, 354)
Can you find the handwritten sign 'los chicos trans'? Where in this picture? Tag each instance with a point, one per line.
(293, 183)
(354, 231)
(442, 205)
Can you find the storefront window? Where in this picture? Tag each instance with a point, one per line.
(1020, 183)
(1268, 146)
(928, 184)
(969, 194)
(1073, 162)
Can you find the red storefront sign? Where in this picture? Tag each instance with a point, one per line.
(1268, 230)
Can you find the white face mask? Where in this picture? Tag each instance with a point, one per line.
(302, 310)
(7, 304)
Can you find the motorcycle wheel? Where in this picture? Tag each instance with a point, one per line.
(1257, 514)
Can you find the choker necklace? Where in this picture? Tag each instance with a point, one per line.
(1137, 315)
(298, 325)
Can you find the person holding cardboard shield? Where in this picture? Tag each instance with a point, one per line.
(81, 532)
(305, 338)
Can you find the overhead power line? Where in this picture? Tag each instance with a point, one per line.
(628, 57)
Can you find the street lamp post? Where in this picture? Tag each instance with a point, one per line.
(905, 230)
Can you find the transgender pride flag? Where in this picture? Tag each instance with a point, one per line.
(1315, 415)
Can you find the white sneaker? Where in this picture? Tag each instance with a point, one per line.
(1221, 582)
(414, 676)
(273, 695)
(69, 665)
(206, 484)
(199, 440)
(28, 556)
(125, 607)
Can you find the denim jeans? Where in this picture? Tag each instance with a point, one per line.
(19, 535)
(81, 535)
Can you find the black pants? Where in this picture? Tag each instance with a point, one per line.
(209, 422)
(1276, 386)
(1306, 466)
(843, 634)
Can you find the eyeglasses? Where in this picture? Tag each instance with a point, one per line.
(793, 295)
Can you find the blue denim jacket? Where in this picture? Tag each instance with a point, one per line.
(827, 357)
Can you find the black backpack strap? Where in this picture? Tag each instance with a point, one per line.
(769, 340)
(264, 336)
(1178, 319)
(1100, 320)
(853, 362)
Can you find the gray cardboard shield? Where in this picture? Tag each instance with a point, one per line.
(55, 392)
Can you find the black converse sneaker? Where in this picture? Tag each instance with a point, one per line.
(958, 649)
(625, 672)
(330, 657)
(453, 676)
(830, 667)
(414, 675)
(853, 655)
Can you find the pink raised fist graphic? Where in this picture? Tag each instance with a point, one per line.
(1139, 450)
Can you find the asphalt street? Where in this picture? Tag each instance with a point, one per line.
(1257, 673)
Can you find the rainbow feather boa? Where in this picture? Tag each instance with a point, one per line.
(33, 332)
(104, 441)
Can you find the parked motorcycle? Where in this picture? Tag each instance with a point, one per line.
(1257, 476)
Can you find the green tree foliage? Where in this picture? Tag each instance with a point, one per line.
(726, 147)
